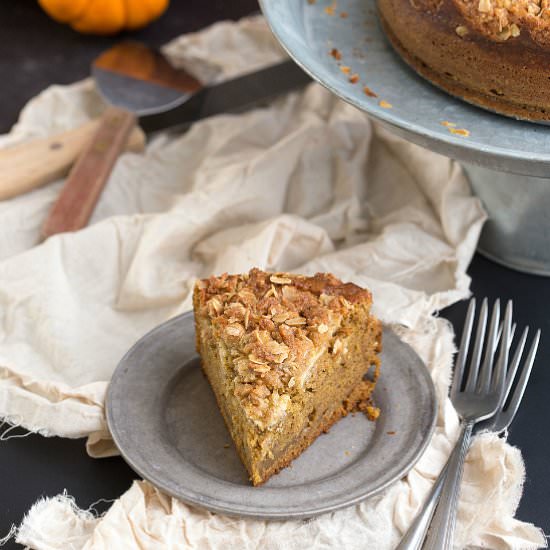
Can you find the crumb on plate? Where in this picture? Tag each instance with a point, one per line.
(369, 92)
(329, 10)
(459, 132)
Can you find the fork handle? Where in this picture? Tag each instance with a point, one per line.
(441, 531)
(413, 539)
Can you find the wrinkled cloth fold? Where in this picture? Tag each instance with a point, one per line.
(305, 184)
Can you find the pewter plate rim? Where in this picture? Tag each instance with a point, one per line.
(310, 51)
(219, 495)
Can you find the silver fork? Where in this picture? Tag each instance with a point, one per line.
(500, 421)
(485, 392)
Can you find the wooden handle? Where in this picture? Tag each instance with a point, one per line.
(89, 175)
(34, 163)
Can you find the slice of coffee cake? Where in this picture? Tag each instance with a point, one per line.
(286, 356)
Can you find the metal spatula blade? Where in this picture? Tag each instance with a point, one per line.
(136, 78)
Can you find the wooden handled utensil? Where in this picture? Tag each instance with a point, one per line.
(138, 82)
(141, 81)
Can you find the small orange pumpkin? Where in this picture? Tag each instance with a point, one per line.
(104, 16)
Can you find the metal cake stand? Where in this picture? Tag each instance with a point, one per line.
(506, 160)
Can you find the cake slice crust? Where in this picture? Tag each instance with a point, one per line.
(286, 356)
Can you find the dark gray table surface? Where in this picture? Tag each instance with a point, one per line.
(36, 52)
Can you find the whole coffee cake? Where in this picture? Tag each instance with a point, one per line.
(493, 53)
(286, 356)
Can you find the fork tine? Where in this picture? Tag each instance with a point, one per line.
(512, 334)
(478, 346)
(489, 353)
(463, 350)
(517, 396)
(499, 372)
(512, 369)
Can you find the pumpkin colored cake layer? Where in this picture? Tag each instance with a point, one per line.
(286, 356)
(493, 53)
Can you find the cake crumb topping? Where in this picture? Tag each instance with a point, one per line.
(499, 20)
(274, 326)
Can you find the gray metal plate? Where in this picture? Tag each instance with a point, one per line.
(308, 34)
(165, 421)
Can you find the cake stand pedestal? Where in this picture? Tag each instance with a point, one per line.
(507, 161)
(517, 233)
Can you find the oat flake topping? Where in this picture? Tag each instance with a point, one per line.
(274, 326)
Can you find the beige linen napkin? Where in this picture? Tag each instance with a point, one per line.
(307, 184)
